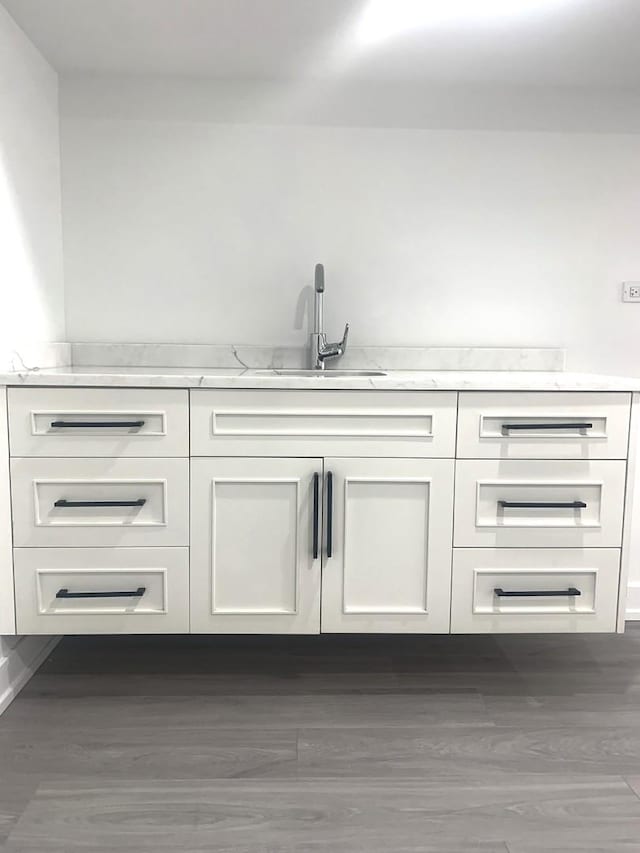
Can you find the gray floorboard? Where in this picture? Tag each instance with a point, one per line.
(342, 744)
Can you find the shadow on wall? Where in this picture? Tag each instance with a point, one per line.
(23, 314)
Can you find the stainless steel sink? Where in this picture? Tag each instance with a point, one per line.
(324, 374)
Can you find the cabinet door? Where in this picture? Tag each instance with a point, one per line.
(388, 526)
(253, 569)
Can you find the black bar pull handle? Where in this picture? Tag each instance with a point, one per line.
(535, 593)
(316, 513)
(67, 504)
(330, 514)
(96, 424)
(542, 504)
(579, 425)
(133, 593)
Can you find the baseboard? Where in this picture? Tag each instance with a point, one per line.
(20, 663)
(632, 613)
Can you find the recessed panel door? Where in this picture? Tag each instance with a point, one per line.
(255, 538)
(387, 545)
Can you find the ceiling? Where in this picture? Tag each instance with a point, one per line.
(551, 43)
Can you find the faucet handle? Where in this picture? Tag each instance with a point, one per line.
(343, 342)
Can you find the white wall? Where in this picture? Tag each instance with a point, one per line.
(182, 229)
(31, 282)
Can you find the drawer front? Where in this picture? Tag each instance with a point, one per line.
(555, 425)
(319, 423)
(518, 591)
(98, 422)
(96, 502)
(539, 504)
(7, 616)
(102, 590)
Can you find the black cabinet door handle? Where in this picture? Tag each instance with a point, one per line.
(329, 514)
(316, 512)
(535, 593)
(506, 428)
(96, 424)
(542, 504)
(67, 504)
(133, 593)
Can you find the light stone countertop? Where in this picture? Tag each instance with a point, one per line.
(241, 366)
(415, 380)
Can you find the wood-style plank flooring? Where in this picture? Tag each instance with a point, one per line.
(513, 744)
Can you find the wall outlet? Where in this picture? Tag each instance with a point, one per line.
(631, 291)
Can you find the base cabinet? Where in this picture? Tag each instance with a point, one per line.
(269, 534)
(388, 566)
(278, 511)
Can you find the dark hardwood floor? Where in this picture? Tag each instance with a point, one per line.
(513, 744)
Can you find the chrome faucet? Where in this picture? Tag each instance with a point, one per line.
(320, 349)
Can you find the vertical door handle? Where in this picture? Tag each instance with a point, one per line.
(329, 514)
(316, 513)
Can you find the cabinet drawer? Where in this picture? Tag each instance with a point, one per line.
(86, 502)
(510, 503)
(102, 590)
(545, 590)
(555, 425)
(98, 422)
(317, 423)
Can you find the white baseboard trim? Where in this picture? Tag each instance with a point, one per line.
(20, 663)
(632, 613)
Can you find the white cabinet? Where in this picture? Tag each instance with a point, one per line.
(261, 527)
(254, 568)
(301, 511)
(387, 561)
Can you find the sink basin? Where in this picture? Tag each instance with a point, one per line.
(325, 374)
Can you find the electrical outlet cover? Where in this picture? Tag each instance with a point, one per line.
(631, 291)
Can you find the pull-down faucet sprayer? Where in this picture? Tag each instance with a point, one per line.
(320, 349)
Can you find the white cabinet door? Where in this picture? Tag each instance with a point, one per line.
(253, 568)
(388, 527)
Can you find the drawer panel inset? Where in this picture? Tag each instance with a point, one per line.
(513, 590)
(84, 502)
(539, 503)
(316, 423)
(98, 422)
(543, 425)
(102, 590)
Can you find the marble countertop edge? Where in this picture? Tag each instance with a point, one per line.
(417, 380)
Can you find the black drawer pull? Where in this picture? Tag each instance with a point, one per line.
(316, 514)
(133, 593)
(535, 593)
(542, 504)
(509, 427)
(96, 424)
(329, 514)
(66, 504)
